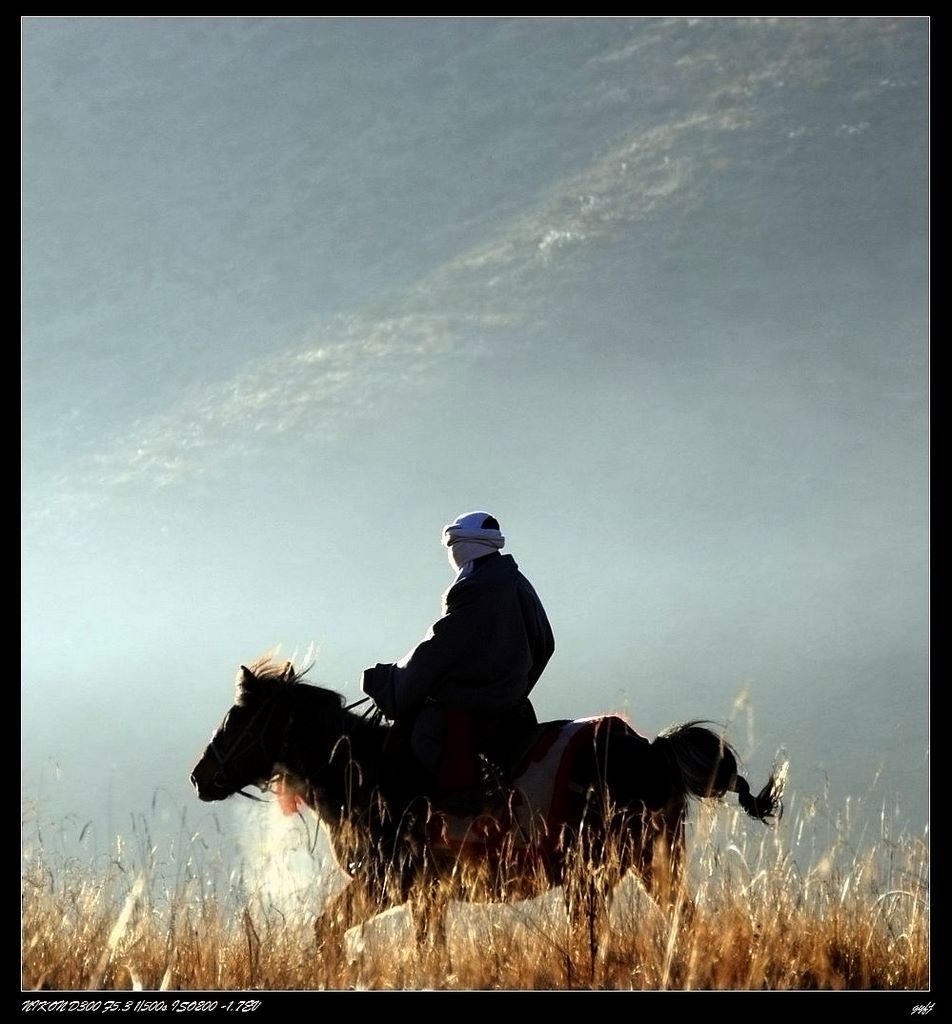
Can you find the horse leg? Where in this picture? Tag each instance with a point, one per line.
(354, 904)
(585, 886)
(427, 906)
(662, 864)
(584, 904)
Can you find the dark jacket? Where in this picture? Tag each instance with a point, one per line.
(484, 654)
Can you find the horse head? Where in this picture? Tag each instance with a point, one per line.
(248, 743)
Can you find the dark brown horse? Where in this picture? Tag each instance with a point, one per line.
(591, 801)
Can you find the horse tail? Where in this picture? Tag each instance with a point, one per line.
(708, 767)
(768, 803)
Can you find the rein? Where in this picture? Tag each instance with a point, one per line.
(373, 714)
(250, 796)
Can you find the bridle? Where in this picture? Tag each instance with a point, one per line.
(252, 737)
(246, 742)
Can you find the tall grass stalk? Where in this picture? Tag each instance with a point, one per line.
(748, 916)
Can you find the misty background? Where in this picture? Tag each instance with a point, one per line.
(297, 292)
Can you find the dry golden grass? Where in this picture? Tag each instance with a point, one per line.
(747, 918)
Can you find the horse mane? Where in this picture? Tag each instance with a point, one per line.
(268, 666)
(270, 671)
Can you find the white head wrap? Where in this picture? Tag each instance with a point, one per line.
(469, 537)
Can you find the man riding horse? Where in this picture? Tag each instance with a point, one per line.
(460, 699)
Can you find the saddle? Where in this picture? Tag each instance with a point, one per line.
(526, 821)
(480, 752)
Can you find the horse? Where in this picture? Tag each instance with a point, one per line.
(589, 802)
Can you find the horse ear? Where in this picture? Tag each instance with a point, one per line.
(245, 682)
(287, 676)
